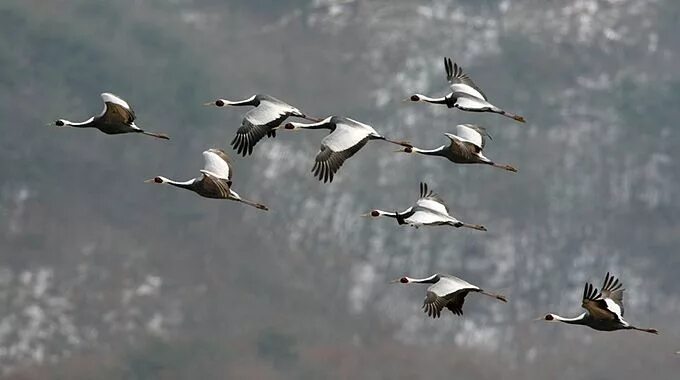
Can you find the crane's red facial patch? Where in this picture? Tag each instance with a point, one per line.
(219, 103)
(289, 126)
(549, 317)
(408, 150)
(158, 180)
(59, 123)
(375, 213)
(415, 98)
(403, 280)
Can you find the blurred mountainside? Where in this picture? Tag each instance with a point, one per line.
(103, 274)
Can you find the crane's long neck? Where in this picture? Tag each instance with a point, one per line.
(83, 124)
(189, 185)
(424, 98)
(580, 320)
(430, 152)
(323, 124)
(427, 280)
(245, 102)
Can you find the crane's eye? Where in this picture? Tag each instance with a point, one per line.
(158, 180)
(59, 123)
(375, 213)
(415, 98)
(403, 280)
(549, 317)
(219, 103)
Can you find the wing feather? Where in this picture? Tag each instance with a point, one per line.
(595, 305)
(468, 103)
(214, 187)
(328, 161)
(612, 290)
(217, 163)
(460, 81)
(259, 122)
(116, 109)
(431, 200)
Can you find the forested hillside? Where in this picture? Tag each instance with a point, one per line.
(104, 276)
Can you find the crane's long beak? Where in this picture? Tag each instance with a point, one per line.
(209, 104)
(396, 280)
(150, 180)
(366, 214)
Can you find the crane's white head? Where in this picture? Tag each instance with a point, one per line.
(401, 280)
(424, 98)
(376, 213)
(406, 149)
(157, 179)
(251, 101)
(216, 103)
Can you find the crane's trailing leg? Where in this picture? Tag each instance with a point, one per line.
(499, 297)
(507, 167)
(156, 135)
(651, 331)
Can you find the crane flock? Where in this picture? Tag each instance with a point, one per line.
(604, 308)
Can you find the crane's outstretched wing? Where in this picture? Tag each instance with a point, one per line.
(259, 122)
(116, 109)
(464, 149)
(461, 82)
(472, 104)
(449, 292)
(342, 143)
(611, 290)
(431, 200)
(328, 161)
(214, 187)
(483, 134)
(456, 302)
(434, 304)
(217, 164)
(595, 305)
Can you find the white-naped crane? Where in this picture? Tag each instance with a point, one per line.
(446, 291)
(604, 309)
(347, 137)
(215, 181)
(429, 210)
(465, 94)
(116, 118)
(465, 147)
(261, 121)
